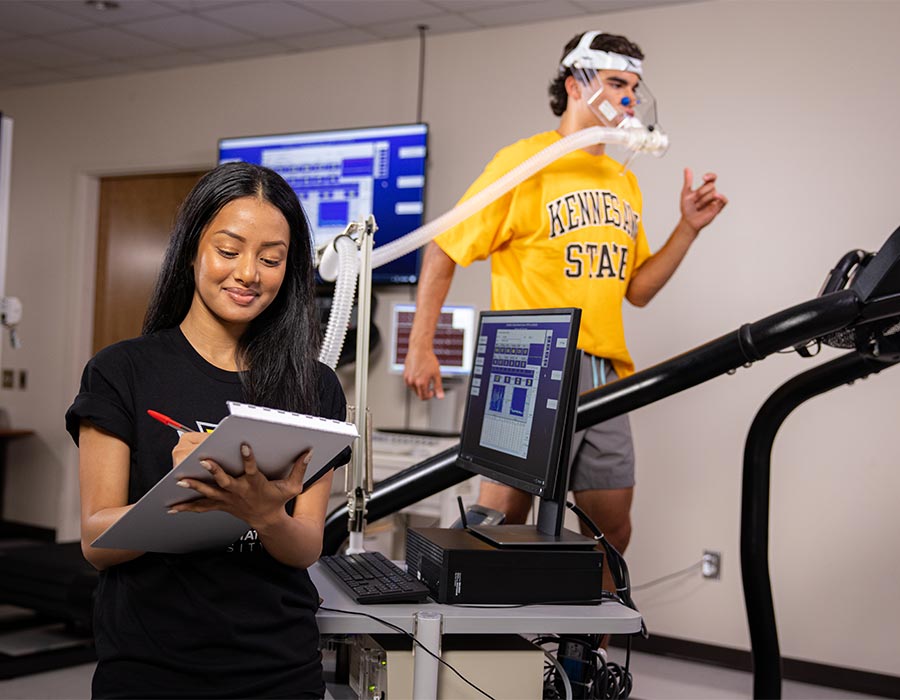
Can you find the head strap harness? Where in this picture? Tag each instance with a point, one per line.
(586, 58)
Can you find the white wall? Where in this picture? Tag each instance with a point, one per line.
(793, 103)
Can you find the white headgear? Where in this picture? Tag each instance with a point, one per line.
(586, 58)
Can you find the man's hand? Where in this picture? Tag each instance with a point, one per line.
(422, 372)
(699, 207)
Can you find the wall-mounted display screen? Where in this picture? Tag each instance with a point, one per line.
(345, 175)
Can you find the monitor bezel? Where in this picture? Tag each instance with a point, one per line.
(480, 460)
(378, 279)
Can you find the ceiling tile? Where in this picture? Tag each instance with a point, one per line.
(100, 70)
(600, 6)
(43, 54)
(474, 5)
(523, 12)
(328, 40)
(196, 5)
(253, 49)
(441, 24)
(111, 42)
(128, 10)
(25, 18)
(188, 32)
(357, 14)
(172, 59)
(9, 65)
(38, 76)
(271, 18)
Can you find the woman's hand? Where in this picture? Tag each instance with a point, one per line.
(187, 443)
(252, 497)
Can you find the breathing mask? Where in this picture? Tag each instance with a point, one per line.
(615, 104)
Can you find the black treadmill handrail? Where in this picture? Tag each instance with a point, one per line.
(755, 505)
(398, 491)
(750, 342)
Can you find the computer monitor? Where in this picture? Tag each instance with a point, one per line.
(454, 338)
(345, 175)
(520, 416)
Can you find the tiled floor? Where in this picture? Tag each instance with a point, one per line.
(663, 678)
(655, 678)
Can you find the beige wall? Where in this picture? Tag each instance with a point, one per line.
(793, 103)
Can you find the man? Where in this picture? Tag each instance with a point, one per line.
(571, 235)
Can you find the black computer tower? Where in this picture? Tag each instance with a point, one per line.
(458, 567)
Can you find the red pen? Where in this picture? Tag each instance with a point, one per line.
(165, 420)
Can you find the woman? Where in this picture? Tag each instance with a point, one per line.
(232, 318)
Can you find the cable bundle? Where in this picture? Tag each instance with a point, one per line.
(580, 669)
(615, 563)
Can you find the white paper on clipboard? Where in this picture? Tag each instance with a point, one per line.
(277, 438)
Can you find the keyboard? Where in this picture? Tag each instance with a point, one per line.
(370, 577)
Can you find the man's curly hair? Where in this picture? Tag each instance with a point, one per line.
(559, 99)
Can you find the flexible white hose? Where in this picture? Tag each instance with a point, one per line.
(341, 305)
(634, 139)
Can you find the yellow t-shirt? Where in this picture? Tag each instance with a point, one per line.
(570, 235)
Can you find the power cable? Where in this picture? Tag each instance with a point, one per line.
(668, 577)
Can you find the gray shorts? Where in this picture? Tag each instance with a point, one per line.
(603, 455)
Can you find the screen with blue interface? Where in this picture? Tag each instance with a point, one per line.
(344, 175)
(515, 411)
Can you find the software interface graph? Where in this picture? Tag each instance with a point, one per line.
(334, 183)
(517, 409)
(345, 175)
(511, 380)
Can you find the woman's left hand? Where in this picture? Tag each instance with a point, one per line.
(252, 497)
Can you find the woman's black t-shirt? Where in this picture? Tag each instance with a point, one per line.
(231, 622)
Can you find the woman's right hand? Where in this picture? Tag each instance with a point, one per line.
(187, 443)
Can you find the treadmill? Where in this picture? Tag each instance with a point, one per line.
(858, 309)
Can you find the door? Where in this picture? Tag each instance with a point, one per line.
(135, 219)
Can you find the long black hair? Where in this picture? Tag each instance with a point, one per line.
(279, 348)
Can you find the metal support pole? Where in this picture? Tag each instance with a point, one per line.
(360, 487)
(427, 629)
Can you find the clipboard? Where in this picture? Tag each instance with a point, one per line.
(277, 438)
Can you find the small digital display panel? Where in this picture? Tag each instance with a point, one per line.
(344, 175)
(454, 338)
(515, 410)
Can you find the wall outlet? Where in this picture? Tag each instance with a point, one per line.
(712, 564)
